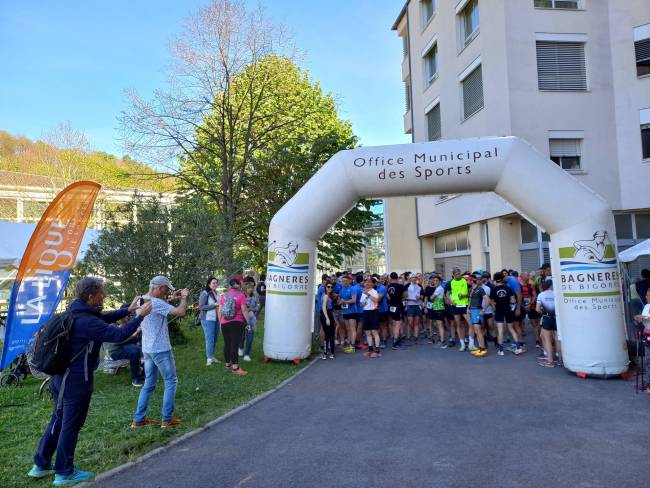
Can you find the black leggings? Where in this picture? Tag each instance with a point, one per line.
(329, 330)
(232, 334)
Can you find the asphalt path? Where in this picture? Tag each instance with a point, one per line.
(420, 418)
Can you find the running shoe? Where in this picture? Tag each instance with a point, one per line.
(537, 345)
(331, 356)
(546, 364)
(382, 344)
(348, 349)
(443, 345)
(38, 472)
(500, 352)
(361, 345)
(77, 476)
(375, 354)
(462, 346)
(368, 354)
(518, 351)
(473, 348)
(323, 356)
(479, 353)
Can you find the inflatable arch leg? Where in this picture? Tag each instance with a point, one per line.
(581, 225)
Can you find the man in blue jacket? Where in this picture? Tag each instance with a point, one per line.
(72, 392)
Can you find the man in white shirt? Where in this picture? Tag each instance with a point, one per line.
(157, 351)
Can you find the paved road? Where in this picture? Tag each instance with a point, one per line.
(420, 418)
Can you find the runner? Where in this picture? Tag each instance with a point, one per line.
(382, 310)
(369, 303)
(503, 300)
(413, 310)
(348, 298)
(457, 295)
(478, 300)
(358, 286)
(488, 311)
(546, 307)
(395, 293)
(529, 296)
(512, 280)
(435, 303)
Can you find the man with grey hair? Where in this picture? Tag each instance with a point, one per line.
(72, 391)
(157, 350)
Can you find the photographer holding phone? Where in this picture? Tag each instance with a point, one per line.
(157, 350)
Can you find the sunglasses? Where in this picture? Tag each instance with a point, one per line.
(328, 286)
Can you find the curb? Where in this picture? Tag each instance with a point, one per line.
(123, 467)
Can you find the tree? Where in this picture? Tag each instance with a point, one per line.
(246, 125)
(181, 242)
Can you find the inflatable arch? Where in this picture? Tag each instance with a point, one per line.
(580, 222)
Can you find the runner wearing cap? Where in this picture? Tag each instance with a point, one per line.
(458, 297)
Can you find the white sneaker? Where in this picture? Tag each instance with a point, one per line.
(462, 346)
(211, 361)
(241, 352)
(247, 358)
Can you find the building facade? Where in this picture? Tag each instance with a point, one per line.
(572, 77)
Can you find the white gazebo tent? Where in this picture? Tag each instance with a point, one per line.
(631, 300)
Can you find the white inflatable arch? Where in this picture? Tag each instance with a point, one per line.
(581, 225)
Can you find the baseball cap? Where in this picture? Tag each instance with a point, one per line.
(157, 281)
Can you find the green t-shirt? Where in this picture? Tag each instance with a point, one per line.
(459, 287)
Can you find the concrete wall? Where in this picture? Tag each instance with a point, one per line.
(400, 231)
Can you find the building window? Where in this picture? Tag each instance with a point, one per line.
(623, 225)
(528, 232)
(561, 66)
(472, 86)
(469, 22)
(642, 221)
(642, 49)
(566, 153)
(558, 4)
(428, 10)
(433, 124)
(407, 95)
(645, 141)
(452, 242)
(431, 65)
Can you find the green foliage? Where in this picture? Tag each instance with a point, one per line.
(181, 242)
(251, 164)
(60, 166)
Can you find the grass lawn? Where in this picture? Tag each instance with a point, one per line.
(203, 393)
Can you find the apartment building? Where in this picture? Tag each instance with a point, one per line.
(572, 77)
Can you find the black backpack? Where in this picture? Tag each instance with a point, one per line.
(49, 353)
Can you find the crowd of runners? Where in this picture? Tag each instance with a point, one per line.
(368, 312)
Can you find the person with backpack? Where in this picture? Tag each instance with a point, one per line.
(72, 386)
(232, 317)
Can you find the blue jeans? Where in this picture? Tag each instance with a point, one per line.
(249, 335)
(133, 353)
(211, 332)
(154, 362)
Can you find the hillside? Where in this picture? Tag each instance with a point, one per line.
(38, 163)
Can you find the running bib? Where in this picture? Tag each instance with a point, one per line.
(513, 306)
(393, 309)
(344, 306)
(429, 305)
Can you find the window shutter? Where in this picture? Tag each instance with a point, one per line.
(561, 66)
(642, 50)
(433, 123)
(565, 147)
(407, 95)
(473, 92)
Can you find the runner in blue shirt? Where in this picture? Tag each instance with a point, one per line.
(348, 297)
(382, 309)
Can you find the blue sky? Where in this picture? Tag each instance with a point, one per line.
(70, 60)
